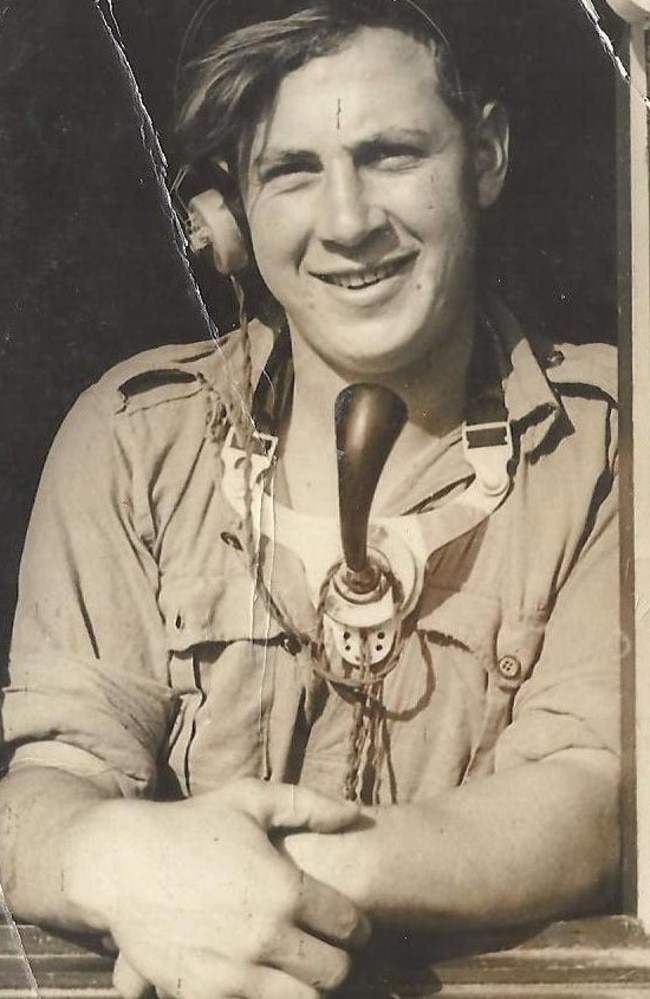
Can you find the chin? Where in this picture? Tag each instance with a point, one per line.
(373, 365)
(389, 358)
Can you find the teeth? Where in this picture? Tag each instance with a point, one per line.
(363, 279)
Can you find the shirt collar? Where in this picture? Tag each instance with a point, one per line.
(530, 401)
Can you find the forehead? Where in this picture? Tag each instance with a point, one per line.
(381, 77)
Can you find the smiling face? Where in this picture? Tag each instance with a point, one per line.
(362, 197)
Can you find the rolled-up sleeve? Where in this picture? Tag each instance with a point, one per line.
(88, 660)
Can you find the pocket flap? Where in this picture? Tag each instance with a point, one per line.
(465, 619)
(508, 648)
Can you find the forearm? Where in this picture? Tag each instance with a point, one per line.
(42, 813)
(535, 843)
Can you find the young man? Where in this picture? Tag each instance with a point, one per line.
(182, 723)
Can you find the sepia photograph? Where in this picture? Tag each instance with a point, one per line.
(325, 494)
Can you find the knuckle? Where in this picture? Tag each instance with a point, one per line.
(262, 942)
(267, 936)
(287, 896)
(268, 926)
(237, 981)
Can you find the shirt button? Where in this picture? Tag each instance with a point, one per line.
(554, 359)
(509, 667)
(291, 644)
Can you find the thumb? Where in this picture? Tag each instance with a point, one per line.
(285, 806)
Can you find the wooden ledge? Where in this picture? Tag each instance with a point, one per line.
(598, 958)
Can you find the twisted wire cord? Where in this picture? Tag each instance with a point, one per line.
(375, 723)
(364, 760)
(357, 734)
(246, 428)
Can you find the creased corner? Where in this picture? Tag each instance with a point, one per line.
(159, 163)
(610, 51)
(152, 146)
(30, 983)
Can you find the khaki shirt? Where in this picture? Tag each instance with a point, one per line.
(140, 647)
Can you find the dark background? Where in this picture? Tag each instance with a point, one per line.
(90, 269)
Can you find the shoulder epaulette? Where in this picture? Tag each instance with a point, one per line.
(177, 371)
(154, 375)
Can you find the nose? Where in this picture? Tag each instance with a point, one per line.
(347, 217)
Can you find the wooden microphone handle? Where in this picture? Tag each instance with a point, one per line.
(368, 420)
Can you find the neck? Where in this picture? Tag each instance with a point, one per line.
(433, 389)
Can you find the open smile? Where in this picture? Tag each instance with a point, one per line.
(366, 277)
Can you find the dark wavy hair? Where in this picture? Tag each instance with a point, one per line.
(228, 90)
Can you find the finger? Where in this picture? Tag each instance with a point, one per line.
(310, 960)
(128, 983)
(270, 983)
(285, 806)
(325, 912)
(219, 979)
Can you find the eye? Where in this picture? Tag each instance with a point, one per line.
(395, 157)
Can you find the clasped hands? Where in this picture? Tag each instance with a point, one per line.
(203, 904)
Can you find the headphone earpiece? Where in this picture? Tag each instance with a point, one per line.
(212, 223)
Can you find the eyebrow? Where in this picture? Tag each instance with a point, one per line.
(396, 135)
(278, 157)
(271, 157)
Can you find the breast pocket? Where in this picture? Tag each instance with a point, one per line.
(484, 655)
(223, 655)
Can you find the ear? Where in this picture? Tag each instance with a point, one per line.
(490, 153)
(213, 223)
